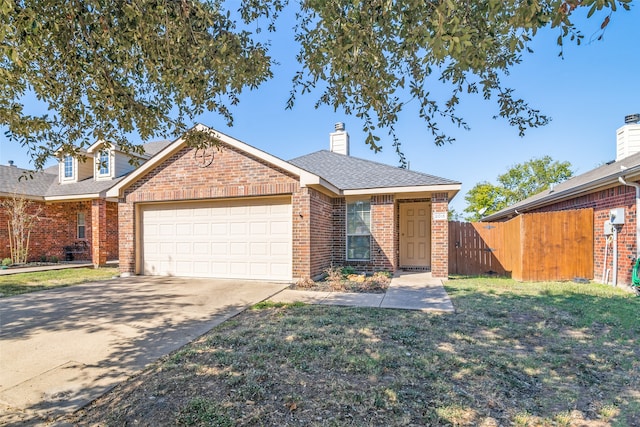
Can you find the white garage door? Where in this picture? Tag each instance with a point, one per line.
(231, 239)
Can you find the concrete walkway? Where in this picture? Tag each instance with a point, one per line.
(407, 291)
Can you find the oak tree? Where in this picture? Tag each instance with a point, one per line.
(105, 70)
(521, 181)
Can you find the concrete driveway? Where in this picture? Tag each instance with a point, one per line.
(62, 348)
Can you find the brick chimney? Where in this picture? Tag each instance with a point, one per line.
(339, 140)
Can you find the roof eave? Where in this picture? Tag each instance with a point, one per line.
(450, 189)
(554, 197)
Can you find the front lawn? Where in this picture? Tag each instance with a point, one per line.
(22, 283)
(556, 354)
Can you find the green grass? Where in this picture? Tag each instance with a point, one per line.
(525, 354)
(22, 283)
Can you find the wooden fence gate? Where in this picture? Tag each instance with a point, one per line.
(530, 247)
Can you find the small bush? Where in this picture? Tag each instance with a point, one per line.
(54, 259)
(334, 278)
(6, 262)
(305, 283)
(43, 258)
(348, 270)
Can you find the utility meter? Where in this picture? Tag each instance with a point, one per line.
(608, 228)
(616, 216)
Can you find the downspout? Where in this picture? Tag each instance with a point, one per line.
(637, 187)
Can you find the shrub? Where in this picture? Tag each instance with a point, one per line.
(334, 278)
(54, 259)
(6, 262)
(347, 270)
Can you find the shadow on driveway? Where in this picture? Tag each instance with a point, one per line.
(62, 348)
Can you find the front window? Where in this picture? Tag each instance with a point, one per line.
(81, 226)
(359, 230)
(104, 163)
(68, 167)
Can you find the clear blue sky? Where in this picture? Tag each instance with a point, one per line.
(587, 94)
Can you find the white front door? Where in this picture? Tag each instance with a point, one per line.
(415, 235)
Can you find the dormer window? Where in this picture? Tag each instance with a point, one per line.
(68, 167)
(103, 167)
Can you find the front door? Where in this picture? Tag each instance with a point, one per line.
(415, 235)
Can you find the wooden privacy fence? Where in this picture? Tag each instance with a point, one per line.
(529, 247)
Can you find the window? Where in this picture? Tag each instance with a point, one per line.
(68, 167)
(104, 163)
(81, 225)
(359, 230)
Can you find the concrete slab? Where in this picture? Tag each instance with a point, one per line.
(62, 348)
(417, 291)
(353, 299)
(407, 291)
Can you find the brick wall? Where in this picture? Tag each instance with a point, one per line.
(439, 235)
(384, 232)
(602, 202)
(232, 174)
(57, 227)
(321, 238)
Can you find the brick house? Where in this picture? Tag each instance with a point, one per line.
(76, 219)
(234, 211)
(613, 192)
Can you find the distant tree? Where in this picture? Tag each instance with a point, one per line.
(104, 69)
(521, 181)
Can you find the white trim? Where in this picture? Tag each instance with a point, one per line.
(444, 188)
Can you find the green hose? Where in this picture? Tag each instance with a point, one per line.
(635, 279)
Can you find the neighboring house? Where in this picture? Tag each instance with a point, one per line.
(234, 211)
(76, 218)
(611, 189)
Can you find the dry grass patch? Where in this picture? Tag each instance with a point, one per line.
(513, 354)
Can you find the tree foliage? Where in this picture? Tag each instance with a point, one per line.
(105, 69)
(521, 181)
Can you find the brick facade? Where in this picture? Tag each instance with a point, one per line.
(602, 202)
(57, 227)
(232, 174)
(318, 220)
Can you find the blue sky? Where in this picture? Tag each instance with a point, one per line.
(587, 94)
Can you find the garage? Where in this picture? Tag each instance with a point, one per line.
(235, 239)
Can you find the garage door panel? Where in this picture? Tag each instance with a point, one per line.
(219, 239)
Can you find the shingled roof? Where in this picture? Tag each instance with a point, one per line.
(44, 184)
(352, 173)
(601, 177)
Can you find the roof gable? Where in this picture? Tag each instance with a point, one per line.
(165, 153)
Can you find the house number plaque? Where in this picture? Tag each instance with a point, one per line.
(204, 157)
